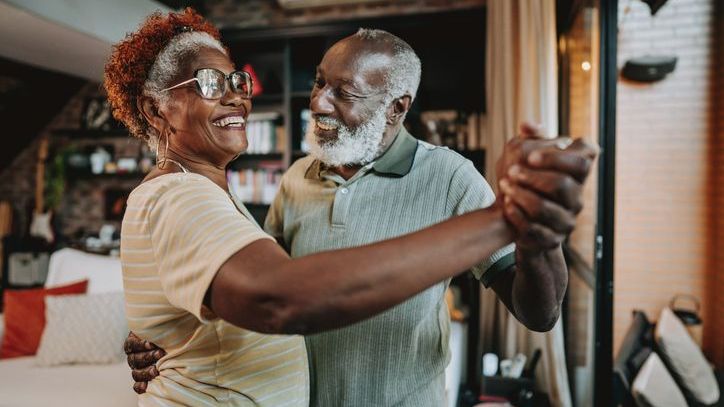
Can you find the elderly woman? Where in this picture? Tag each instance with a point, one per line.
(202, 280)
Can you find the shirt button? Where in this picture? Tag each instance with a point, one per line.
(344, 190)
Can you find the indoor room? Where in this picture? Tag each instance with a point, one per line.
(362, 203)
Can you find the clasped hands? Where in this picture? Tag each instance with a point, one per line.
(541, 186)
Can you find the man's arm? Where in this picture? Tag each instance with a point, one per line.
(534, 289)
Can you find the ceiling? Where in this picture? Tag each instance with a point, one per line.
(48, 50)
(73, 37)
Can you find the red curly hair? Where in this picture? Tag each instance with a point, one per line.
(128, 67)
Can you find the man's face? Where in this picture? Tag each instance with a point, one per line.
(349, 104)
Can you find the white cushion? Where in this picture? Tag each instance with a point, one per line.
(685, 359)
(654, 386)
(102, 272)
(24, 384)
(88, 328)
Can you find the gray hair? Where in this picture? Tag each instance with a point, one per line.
(167, 65)
(404, 77)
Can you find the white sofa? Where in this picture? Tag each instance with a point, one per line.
(22, 384)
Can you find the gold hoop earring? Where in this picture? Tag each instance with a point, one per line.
(161, 164)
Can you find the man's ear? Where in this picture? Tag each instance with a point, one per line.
(148, 108)
(398, 108)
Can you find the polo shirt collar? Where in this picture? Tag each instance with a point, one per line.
(397, 160)
(314, 171)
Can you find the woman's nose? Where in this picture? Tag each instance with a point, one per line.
(231, 98)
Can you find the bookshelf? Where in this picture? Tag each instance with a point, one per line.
(285, 59)
(451, 46)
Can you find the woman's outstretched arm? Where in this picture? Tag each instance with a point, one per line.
(260, 288)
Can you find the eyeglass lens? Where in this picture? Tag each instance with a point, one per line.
(212, 83)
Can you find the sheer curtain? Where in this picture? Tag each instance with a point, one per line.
(521, 81)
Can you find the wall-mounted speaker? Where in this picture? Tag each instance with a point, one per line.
(649, 68)
(655, 5)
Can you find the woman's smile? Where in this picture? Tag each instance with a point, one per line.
(230, 121)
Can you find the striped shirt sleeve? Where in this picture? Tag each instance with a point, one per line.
(469, 191)
(195, 228)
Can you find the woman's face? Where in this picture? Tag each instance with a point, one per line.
(198, 132)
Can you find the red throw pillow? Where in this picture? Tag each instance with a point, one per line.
(25, 317)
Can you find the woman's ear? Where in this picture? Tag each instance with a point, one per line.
(148, 108)
(398, 108)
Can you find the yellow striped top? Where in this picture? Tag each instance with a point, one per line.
(177, 231)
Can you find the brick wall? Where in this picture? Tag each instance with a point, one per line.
(662, 162)
(18, 184)
(82, 210)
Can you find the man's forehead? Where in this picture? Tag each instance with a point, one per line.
(356, 64)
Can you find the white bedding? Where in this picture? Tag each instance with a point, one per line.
(25, 385)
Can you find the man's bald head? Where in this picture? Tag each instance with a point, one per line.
(402, 68)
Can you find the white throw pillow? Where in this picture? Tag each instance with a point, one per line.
(655, 387)
(88, 328)
(685, 359)
(69, 265)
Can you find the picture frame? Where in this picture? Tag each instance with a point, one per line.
(96, 115)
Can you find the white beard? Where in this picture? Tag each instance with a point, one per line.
(358, 146)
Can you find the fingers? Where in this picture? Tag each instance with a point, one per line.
(576, 160)
(531, 130)
(142, 360)
(585, 148)
(134, 344)
(142, 356)
(559, 187)
(140, 387)
(518, 149)
(530, 235)
(539, 210)
(144, 375)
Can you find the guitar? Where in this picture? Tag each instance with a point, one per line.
(40, 225)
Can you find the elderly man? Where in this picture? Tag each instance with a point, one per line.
(367, 179)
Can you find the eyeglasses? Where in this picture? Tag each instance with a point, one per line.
(211, 83)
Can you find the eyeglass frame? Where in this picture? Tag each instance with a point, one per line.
(227, 83)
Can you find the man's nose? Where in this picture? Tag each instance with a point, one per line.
(320, 103)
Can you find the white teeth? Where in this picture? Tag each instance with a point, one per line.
(325, 127)
(231, 121)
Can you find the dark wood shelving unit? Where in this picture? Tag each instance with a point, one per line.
(88, 134)
(73, 176)
(267, 156)
(285, 60)
(268, 99)
(302, 94)
(256, 205)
